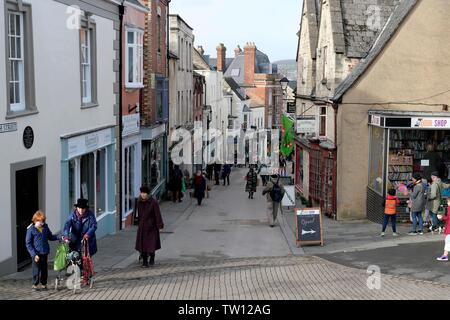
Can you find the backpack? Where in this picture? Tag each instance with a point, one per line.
(276, 193)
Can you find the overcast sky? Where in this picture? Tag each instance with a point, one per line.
(271, 25)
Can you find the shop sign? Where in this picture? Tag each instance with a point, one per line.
(306, 125)
(8, 127)
(131, 124)
(432, 123)
(291, 107)
(89, 142)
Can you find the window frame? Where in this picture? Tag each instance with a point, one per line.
(138, 34)
(90, 25)
(28, 87)
(320, 116)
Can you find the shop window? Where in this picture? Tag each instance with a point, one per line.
(129, 176)
(322, 121)
(314, 178)
(376, 159)
(87, 179)
(152, 162)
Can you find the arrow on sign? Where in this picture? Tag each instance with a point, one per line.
(306, 232)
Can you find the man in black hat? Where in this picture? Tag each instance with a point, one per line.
(81, 226)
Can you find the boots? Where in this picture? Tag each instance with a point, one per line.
(145, 260)
(152, 259)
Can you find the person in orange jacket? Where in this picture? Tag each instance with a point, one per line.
(390, 212)
(446, 218)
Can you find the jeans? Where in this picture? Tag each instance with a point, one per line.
(434, 219)
(415, 216)
(393, 218)
(199, 200)
(40, 270)
(226, 178)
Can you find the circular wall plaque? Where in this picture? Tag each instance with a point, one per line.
(28, 137)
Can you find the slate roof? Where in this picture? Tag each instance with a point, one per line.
(213, 62)
(360, 25)
(236, 88)
(400, 13)
(262, 65)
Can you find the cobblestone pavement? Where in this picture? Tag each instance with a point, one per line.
(271, 278)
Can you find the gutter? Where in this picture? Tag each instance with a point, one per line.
(121, 15)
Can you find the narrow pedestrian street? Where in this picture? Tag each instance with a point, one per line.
(226, 250)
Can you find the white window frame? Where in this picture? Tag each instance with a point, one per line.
(20, 60)
(138, 57)
(86, 67)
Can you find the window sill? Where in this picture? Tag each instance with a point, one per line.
(18, 114)
(89, 105)
(134, 86)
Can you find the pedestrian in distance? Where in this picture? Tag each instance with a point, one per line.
(418, 203)
(390, 212)
(264, 173)
(434, 198)
(446, 218)
(274, 192)
(217, 170)
(199, 187)
(226, 171)
(150, 224)
(80, 226)
(37, 238)
(282, 165)
(177, 184)
(252, 182)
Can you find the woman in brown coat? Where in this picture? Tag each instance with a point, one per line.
(149, 224)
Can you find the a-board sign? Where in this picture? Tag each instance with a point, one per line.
(289, 197)
(309, 226)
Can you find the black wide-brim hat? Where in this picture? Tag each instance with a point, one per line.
(82, 204)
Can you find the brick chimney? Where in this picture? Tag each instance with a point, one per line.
(237, 51)
(250, 60)
(200, 50)
(221, 57)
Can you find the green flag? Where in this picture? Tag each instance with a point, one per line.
(287, 139)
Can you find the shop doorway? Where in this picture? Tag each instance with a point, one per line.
(27, 203)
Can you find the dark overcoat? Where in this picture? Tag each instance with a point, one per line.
(252, 181)
(199, 187)
(149, 224)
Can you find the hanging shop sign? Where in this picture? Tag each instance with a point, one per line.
(289, 197)
(131, 124)
(306, 125)
(431, 123)
(291, 107)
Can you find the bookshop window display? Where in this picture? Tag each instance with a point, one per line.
(401, 146)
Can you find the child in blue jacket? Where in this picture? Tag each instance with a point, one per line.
(38, 235)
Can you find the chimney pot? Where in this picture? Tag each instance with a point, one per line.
(221, 57)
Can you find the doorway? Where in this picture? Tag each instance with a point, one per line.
(27, 203)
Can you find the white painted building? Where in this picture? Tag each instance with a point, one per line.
(57, 123)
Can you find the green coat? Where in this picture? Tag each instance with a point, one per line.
(434, 196)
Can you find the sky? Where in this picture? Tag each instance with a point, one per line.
(271, 25)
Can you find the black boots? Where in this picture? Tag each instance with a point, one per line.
(146, 263)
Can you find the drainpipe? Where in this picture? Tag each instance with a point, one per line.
(166, 173)
(121, 14)
(335, 108)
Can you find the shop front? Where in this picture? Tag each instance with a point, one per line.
(315, 173)
(87, 171)
(401, 144)
(154, 159)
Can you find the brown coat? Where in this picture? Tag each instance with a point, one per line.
(149, 224)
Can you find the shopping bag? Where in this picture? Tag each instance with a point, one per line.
(183, 185)
(60, 262)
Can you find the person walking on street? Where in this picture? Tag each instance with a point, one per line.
(149, 225)
(217, 169)
(177, 184)
(274, 192)
(226, 173)
(264, 173)
(199, 187)
(252, 182)
(390, 212)
(434, 198)
(446, 218)
(418, 203)
(38, 235)
(282, 165)
(80, 226)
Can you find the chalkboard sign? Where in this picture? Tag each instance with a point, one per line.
(309, 226)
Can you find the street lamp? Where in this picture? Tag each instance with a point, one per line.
(284, 83)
